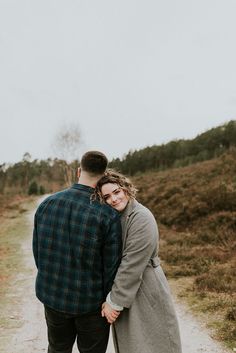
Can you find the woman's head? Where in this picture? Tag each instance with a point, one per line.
(115, 189)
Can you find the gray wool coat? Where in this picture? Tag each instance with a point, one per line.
(148, 323)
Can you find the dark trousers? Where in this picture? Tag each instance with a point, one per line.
(91, 331)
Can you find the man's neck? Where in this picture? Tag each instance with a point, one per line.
(88, 181)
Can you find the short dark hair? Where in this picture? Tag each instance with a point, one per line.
(94, 163)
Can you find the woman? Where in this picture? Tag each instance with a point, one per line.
(147, 323)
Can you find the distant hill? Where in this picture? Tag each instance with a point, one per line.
(177, 153)
(39, 176)
(198, 205)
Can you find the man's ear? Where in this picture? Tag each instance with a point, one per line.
(78, 172)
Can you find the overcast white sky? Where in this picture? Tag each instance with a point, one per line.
(132, 73)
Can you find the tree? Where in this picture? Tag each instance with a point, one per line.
(26, 167)
(66, 146)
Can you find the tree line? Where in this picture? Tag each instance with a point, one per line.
(178, 153)
(36, 176)
(40, 176)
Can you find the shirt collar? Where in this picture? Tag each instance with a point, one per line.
(83, 187)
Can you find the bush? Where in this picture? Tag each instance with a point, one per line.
(33, 188)
(231, 314)
(42, 190)
(220, 279)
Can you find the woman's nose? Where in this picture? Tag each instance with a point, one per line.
(113, 198)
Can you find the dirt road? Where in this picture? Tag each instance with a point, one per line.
(27, 334)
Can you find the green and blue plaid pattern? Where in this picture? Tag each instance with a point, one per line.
(77, 250)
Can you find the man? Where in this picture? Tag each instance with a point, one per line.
(77, 250)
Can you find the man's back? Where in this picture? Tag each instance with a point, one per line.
(77, 249)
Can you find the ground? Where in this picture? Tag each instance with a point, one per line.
(23, 329)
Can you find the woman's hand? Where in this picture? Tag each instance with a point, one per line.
(110, 314)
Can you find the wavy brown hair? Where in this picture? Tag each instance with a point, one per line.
(111, 176)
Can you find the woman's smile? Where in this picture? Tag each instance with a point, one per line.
(115, 196)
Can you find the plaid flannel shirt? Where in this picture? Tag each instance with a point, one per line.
(77, 250)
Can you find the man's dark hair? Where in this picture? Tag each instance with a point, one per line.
(94, 162)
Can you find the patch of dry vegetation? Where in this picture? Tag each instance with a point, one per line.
(12, 231)
(195, 208)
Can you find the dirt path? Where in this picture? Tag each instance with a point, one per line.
(28, 334)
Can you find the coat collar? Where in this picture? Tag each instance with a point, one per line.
(129, 209)
(125, 215)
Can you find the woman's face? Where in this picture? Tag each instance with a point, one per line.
(115, 196)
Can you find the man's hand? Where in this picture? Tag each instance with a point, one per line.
(110, 314)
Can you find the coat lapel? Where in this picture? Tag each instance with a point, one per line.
(132, 204)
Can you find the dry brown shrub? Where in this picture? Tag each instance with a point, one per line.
(231, 314)
(220, 278)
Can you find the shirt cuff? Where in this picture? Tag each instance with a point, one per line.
(113, 305)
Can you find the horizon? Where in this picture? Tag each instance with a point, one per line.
(124, 155)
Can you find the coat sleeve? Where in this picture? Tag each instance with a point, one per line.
(141, 242)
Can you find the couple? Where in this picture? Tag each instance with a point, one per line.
(95, 248)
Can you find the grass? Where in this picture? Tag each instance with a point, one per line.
(217, 311)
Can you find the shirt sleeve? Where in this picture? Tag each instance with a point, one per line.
(112, 250)
(113, 305)
(35, 241)
(141, 242)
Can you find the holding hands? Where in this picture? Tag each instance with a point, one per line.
(110, 314)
